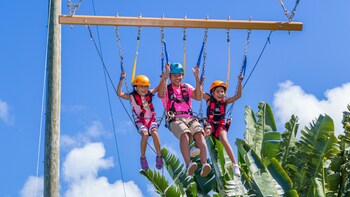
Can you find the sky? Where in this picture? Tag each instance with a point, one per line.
(301, 72)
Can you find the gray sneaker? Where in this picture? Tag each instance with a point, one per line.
(192, 167)
(206, 168)
(194, 152)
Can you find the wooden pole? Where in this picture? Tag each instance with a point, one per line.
(179, 23)
(53, 102)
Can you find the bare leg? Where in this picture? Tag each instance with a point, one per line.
(144, 138)
(200, 143)
(156, 140)
(227, 145)
(185, 147)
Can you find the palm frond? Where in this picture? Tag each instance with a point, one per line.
(317, 144)
(160, 183)
(261, 180)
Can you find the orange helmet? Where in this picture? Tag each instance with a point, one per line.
(141, 80)
(218, 83)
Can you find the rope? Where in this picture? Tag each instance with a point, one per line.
(109, 99)
(257, 61)
(42, 107)
(109, 77)
(137, 54)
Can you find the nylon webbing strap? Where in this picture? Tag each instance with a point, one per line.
(137, 54)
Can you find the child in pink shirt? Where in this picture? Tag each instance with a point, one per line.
(176, 99)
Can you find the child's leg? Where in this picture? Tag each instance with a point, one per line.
(185, 147)
(144, 138)
(200, 143)
(227, 145)
(156, 140)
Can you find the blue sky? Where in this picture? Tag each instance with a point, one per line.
(303, 73)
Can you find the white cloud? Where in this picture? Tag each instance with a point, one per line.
(5, 113)
(80, 170)
(82, 163)
(151, 191)
(291, 99)
(92, 131)
(34, 187)
(92, 187)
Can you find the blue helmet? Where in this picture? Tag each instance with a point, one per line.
(176, 68)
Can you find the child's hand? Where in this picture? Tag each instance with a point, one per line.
(167, 69)
(195, 71)
(122, 75)
(240, 77)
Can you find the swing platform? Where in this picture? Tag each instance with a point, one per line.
(179, 23)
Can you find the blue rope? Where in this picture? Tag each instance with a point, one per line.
(166, 53)
(166, 57)
(244, 66)
(200, 55)
(257, 61)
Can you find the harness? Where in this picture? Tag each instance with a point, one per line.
(141, 104)
(170, 106)
(172, 100)
(216, 115)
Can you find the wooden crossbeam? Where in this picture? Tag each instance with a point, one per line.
(179, 23)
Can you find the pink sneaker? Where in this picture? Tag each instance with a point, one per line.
(144, 164)
(159, 162)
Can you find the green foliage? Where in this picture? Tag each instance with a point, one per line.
(160, 183)
(266, 138)
(272, 164)
(317, 144)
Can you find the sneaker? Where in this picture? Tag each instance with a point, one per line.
(194, 152)
(144, 164)
(235, 169)
(159, 162)
(192, 167)
(206, 168)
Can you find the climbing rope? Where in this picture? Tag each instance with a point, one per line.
(42, 108)
(257, 61)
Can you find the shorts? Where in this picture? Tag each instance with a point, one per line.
(180, 126)
(141, 127)
(217, 129)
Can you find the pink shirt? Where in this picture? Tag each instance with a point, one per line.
(184, 106)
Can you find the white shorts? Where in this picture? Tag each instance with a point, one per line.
(142, 127)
